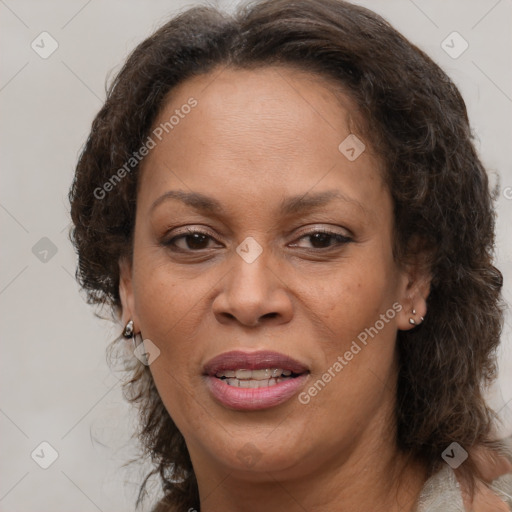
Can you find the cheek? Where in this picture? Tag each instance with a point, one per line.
(167, 308)
(351, 296)
(358, 363)
(357, 305)
(162, 294)
(166, 305)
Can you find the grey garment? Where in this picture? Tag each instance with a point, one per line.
(441, 492)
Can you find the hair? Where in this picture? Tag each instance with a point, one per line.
(412, 116)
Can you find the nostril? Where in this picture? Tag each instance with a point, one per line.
(227, 316)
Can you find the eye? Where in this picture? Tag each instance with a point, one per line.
(192, 240)
(322, 239)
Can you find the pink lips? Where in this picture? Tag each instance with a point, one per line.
(253, 398)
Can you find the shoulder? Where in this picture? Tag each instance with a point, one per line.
(441, 493)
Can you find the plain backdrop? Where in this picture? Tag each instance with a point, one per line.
(55, 384)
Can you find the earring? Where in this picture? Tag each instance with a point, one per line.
(128, 329)
(128, 333)
(412, 321)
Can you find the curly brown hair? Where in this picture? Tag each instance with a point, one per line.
(414, 118)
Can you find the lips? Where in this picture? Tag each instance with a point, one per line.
(238, 360)
(254, 380)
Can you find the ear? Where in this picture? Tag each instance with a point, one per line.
(414, 291)
(126, 293)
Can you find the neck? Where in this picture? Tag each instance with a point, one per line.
(370, 475)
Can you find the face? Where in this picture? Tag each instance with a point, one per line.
(261, 246)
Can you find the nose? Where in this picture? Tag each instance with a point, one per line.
(252, 294)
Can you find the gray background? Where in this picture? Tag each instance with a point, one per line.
(55, 384)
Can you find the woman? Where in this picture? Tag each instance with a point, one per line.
(286, 212)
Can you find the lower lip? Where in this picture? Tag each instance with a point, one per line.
(253, 399)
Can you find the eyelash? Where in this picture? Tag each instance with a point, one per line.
(341, 240)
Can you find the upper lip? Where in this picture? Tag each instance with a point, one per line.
(238, 360)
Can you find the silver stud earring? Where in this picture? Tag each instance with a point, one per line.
(128, 330)
(412, 321)
(128, 333)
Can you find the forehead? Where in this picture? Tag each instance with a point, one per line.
(270, 128)
(258, 99)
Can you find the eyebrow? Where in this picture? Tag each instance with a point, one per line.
(290, 205)
(309, 201)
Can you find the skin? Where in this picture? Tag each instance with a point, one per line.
(254, 139)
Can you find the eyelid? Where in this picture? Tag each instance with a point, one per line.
(170, 237)
(341, 239)
(193, 229)
(321, 228)
(307, 231)
(190, 229)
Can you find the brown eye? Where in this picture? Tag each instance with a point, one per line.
(323, 239)
(190, 241)
(196, 241)
(319, 240)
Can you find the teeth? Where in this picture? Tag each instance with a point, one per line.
(243, 378)
(243, 374)
(251, 383)
(263, 375)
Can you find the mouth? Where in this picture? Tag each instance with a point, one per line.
(254, 380)
(267, 377)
